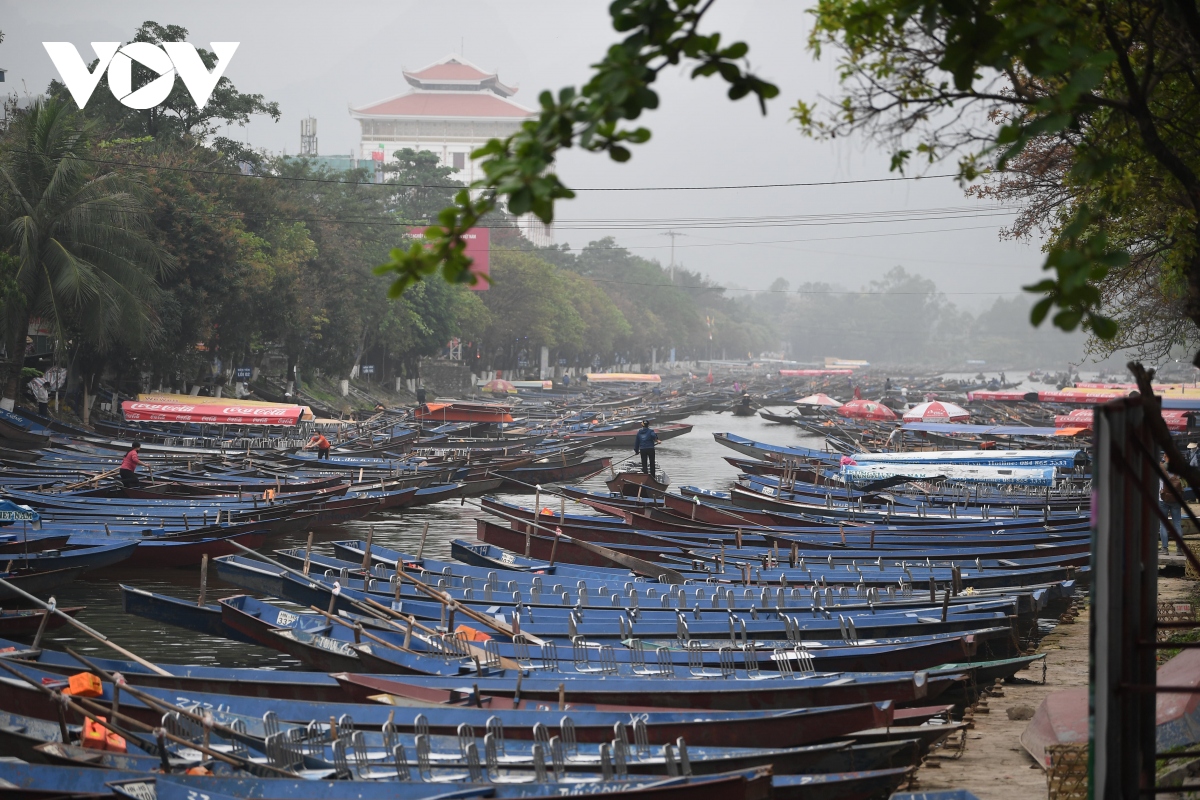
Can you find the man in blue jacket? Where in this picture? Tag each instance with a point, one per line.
(644, 443)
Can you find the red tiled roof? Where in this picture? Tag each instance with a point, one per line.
(449, 104)
(450, 71)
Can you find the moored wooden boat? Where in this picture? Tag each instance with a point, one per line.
(21, 622)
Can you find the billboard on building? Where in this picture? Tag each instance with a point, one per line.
(478, 250)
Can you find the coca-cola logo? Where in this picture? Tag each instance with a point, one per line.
(266, 412)
(170, 409)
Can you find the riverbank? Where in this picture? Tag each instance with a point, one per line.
(994, 766)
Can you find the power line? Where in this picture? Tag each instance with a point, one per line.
(967, 209)
(716, 187)
(715, 288)
(795, 222)
(808, 250)
(714, 223)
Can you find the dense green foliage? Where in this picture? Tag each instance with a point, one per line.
(1088, 110)
(78, 245)
(604, 306)
(162, 256)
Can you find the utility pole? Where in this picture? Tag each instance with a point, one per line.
(672, 234)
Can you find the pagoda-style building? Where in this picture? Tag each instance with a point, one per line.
(452, 108)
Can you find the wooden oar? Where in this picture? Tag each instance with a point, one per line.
(93, 479)
(450, 602)
(100, 637)
(504, 662)
(635, 564)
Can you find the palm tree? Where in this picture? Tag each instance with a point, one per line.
(78, 240)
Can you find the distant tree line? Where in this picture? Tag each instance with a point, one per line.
(902, 318)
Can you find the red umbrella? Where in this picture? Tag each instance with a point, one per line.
(937, 411)
(818, 399)
(866, 409)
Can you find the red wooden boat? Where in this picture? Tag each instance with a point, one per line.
(24, 622)
(524, 478)
(169, 554)
(456, 411)
(619, 439)
(35, 544)
(637, 484)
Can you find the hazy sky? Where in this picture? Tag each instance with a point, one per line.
(319, 58)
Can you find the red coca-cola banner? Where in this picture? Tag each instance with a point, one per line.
(1176, 419)
(1090, 398)
(231, 414)
(999, 396)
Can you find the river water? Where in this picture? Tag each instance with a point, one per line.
(692, 459)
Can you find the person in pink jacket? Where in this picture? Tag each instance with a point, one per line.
(129, 466)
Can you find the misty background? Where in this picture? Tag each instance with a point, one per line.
(805, 264)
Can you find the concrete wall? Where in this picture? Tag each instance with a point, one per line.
(445, 379)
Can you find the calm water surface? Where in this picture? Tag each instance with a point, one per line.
(694, 458)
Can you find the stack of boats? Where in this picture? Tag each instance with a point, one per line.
(70, 514)
(796, 637)
(815, 631)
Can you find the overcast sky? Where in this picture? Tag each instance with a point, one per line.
(319, 58)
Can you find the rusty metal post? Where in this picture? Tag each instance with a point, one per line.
(1124, 596)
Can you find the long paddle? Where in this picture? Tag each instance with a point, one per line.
(504, 662)
(450, 602)
(640, 566)
(95, 634)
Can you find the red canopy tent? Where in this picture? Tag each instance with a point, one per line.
(866, 409)
(231, 414)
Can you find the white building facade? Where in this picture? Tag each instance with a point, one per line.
(452, 108)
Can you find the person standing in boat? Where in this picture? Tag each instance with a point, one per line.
(41, 394)
(643, 444)
(321, 443)
(129, 465)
